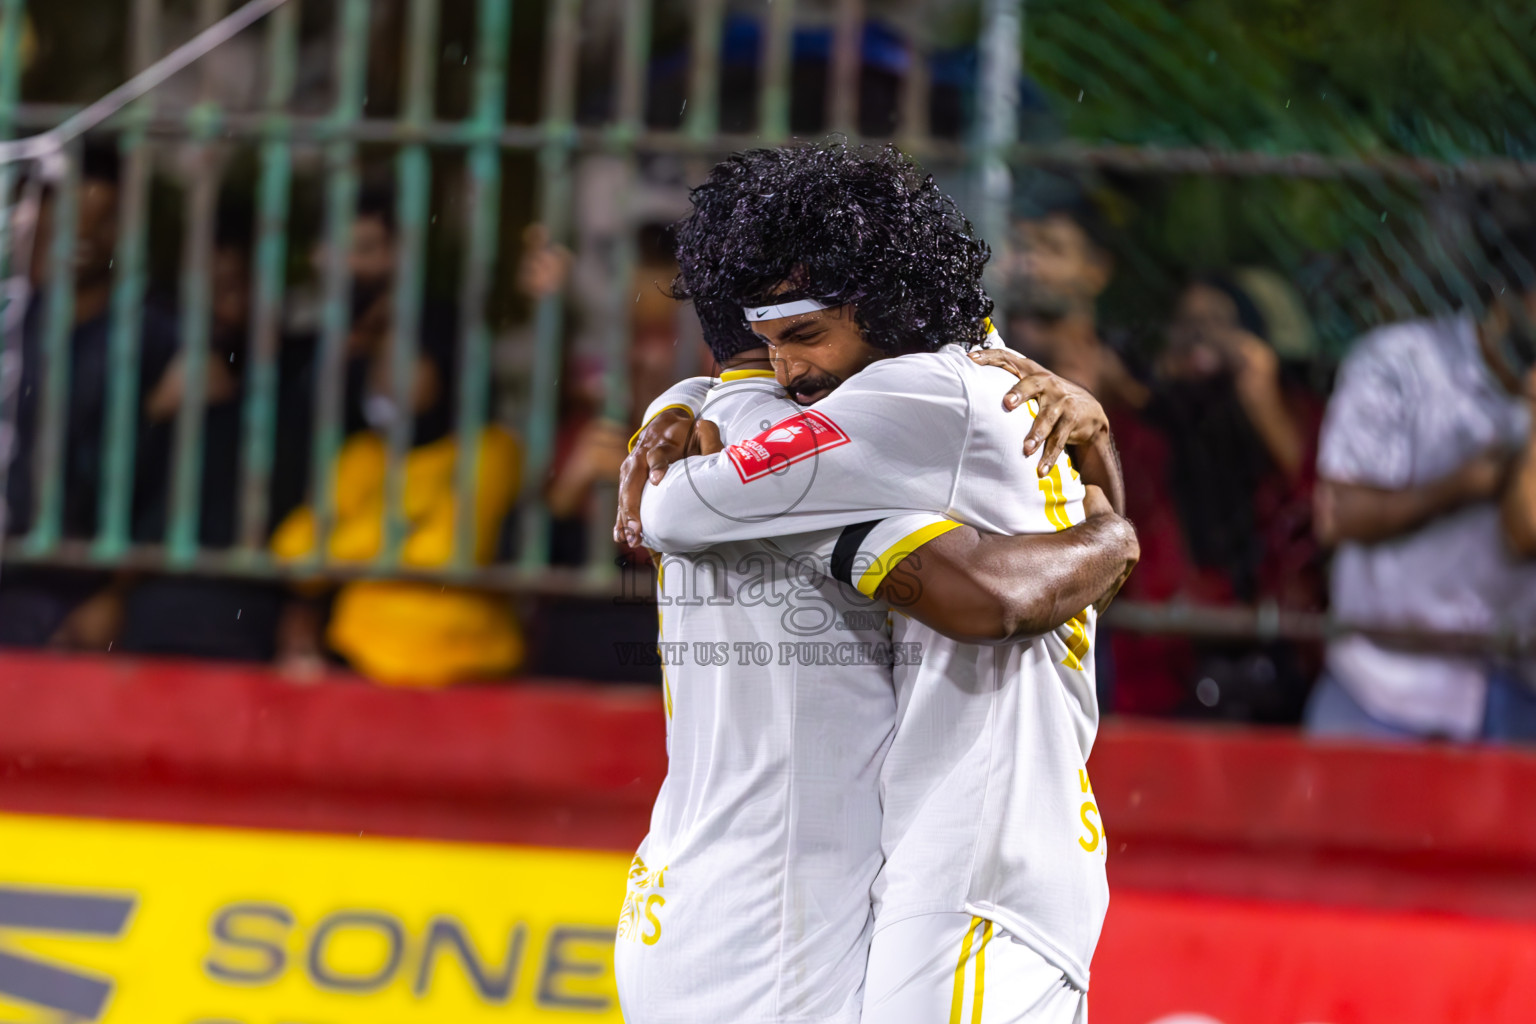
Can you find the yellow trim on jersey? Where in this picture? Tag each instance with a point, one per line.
(675, 405)
(1055, 499)
(1055, 492)
(730, 375)
(881, 567)
(1077, 641)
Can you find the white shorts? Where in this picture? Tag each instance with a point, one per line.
(959, 969)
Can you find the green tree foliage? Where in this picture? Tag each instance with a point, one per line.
(1437, 79)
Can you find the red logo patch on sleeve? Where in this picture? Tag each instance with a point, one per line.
(785, 443)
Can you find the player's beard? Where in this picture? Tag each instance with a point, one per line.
(813, 387)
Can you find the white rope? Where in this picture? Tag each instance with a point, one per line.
(139, 85)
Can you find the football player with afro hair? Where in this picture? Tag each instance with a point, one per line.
(866, 228)
(859, 281)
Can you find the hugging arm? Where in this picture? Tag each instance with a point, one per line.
(1069, 415)
(984, 588)
(889, 441)
(1064, 415)
(662, 439)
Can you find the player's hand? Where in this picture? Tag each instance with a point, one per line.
(660, 443)
(1069, 415)
(706, 439)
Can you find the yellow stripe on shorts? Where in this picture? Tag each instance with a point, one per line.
(981, 972)
(957, 999)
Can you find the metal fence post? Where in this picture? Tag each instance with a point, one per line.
(259, 420)
(414, 192)
(847, 63)
(778, 61)
(558, 129)
(340, 216)
(121, 420)
(196, 313)
(483, 210)
(53, 411)
(997, 120)
(12, 13)
(701, 117)
(618, 331)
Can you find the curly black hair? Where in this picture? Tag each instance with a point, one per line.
(866, 227)
(726, 332)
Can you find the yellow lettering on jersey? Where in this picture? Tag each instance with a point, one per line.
(1095, 830)
(652, 902)
(1082, 781)
(640, 903)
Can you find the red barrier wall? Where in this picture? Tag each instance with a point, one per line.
(1256, 876)
(1269, 814)
(1235, 812)
(547, 764)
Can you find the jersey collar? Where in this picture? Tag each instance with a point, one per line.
(731, 375)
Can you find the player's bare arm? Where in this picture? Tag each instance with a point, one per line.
(914, 412)
(976, 587)
(661, 442)
(1069, 416)
(984, 588)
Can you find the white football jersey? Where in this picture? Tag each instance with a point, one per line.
(749, 900)
(988, 808)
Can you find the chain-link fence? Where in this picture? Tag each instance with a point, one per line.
(1333, 167)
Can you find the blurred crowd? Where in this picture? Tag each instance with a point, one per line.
(396, 631)
(1396, 491)
(1400, 496)
(1393, 490)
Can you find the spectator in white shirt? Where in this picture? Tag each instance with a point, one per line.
(1427, 469)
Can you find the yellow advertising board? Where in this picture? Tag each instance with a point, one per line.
(156, 924)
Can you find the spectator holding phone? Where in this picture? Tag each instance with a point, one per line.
(1219, 455)
(1428, 487)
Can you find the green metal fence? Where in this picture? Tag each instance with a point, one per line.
(139, 127)
(485, 139)
(982, 162)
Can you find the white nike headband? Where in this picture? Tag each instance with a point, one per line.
(757, 314)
